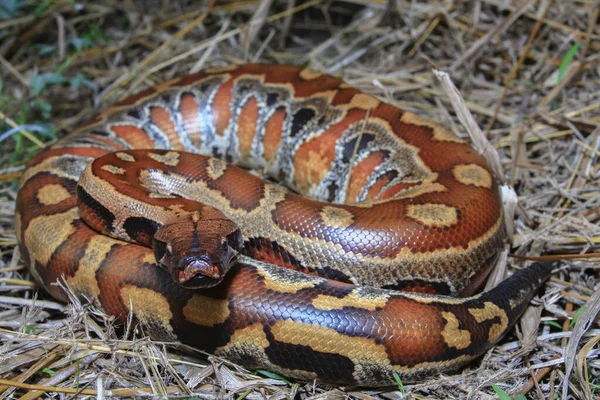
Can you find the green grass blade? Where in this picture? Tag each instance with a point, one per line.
(564, 64)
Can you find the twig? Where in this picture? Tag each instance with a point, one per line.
(478, 45)
(152, 56)
(513, 72)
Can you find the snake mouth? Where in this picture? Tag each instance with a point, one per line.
(197, 273)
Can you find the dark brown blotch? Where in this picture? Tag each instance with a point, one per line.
(141, 229)
(327, 366)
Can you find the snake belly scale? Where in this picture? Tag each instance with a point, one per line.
(377, 199)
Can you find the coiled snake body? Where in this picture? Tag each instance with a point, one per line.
(394, 201)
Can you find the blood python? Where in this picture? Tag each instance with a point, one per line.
(377, 197)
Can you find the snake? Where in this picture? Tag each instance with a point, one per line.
(279, 218)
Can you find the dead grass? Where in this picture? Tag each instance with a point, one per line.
(529, 74)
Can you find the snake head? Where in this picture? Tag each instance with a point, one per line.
(197, 254)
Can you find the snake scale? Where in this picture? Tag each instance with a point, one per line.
(383, 214)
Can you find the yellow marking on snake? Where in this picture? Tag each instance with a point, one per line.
(439, 132)
(52, 194)
(327, 340)
(56, 165)
(363, 101)
(491, 311)
(249, 344)
(125, 157)
(471, 174)
(84, 281)
(253, 335)
(284, 284)
(216, 168)
(44, 234)
(113, 169)
(309, 74)
(149, 257)
(426, 187)
(150, 307)
(355, 299)
(409, 193)
(453, 336)
(170, 158)
(336, 217)
(206, 311)
(436, 215)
